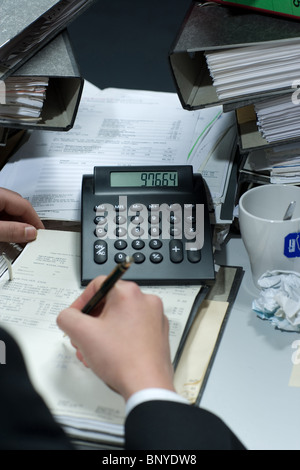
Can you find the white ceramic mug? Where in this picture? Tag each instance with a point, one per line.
(271, 242)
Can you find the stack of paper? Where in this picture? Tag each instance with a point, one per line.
(281, 163)
(278, 118)
(23, 98)
(254, 69)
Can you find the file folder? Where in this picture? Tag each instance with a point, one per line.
(57, 62)
(290, 8)
(27, 25)
(211, 27)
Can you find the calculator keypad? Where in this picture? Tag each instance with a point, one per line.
(130, 231)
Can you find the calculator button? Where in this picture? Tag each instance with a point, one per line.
(156, 257)
(137, 231)
(100, 232)
(100, 251)
(194, 256)
(100, 208)
(175, 207)
(190, 232)
(120, 232)
(176, 251)
(120, 220)
(100, 219)
(120, 257)
(120, 207)
(154, 231)
(189, 206)
(155, 244)
(138, 258)
(174, 219)
(154, 219)
(136, 207)
(138, 244)
(190, 219)
(137, 219)
(153, 207)
(175, 231)
(120, 244)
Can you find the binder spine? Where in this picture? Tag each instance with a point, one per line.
(288, 8)
(14, 52)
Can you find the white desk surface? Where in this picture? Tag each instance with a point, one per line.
(248, 384)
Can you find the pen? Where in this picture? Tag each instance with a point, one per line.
(108, 284)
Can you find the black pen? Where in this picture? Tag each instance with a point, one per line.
(108, 284)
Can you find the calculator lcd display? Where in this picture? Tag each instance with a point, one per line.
(134, 179)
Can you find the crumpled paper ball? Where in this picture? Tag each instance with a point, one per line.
(279, 299)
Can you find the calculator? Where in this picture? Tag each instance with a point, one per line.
(157, 215)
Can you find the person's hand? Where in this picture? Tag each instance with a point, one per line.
(127, 346)
(18, 220)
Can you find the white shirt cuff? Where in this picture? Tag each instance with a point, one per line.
(150, 394)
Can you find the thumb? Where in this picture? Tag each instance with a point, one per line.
(17, 232)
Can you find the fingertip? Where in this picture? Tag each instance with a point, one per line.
(30, 233)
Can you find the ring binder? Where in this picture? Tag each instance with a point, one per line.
(25, 27)
(57, 63)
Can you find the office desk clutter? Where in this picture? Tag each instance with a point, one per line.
(222, 140)
(133, 127)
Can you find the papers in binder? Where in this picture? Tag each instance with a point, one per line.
(281, 163)
(278, 118)
(254, 69)
(23, 98)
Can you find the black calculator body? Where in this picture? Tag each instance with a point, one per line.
(159, 216)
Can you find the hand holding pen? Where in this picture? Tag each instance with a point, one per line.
(107, 285)
(126, 342)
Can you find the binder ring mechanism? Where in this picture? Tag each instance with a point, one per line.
(8, 265)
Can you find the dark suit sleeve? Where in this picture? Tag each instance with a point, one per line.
(25, 421)
(164, 425)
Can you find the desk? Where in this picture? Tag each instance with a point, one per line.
(248, 384)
